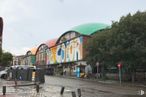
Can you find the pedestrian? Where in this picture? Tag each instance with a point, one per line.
(88, 70)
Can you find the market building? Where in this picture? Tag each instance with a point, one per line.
(29, 58)
(67, 56)
(41, 53)
(18, 60)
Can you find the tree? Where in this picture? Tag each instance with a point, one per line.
(124, 42)
(98, 49)
(6, 59)
(129, 38)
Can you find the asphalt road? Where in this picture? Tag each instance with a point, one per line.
(53, 85)
(95, 89)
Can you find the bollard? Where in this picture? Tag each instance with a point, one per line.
(37, 88)
(62, 90)
(73, 94)
(15, 82)
(4, 90)
(79, 92)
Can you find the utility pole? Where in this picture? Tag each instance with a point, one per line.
(120, 73)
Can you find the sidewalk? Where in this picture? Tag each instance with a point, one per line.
(10, 95)
(107, 82)
(18, 83)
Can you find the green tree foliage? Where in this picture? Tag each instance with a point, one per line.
(124, 42)
(129, 39)
(97, 47)
(6, 59)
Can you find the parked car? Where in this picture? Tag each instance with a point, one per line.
(22, 67)
(3, 74)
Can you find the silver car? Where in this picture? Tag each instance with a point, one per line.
(3, 74)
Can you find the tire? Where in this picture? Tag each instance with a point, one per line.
(4, 76)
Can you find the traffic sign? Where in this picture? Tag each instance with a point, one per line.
(119, 65)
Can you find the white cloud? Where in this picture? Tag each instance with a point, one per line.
(21, 51)
(28, 23)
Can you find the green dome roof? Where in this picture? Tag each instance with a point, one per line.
(90, 28)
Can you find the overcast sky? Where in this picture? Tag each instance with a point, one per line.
(28, 23)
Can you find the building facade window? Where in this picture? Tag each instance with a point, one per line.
(41, 55)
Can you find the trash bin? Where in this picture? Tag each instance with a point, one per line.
(22, 74)
(12, 74)
(29, 75)
(40, 75)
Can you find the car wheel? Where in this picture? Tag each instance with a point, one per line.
(4, 76)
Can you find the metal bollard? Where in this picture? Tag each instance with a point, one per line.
(73, 94)
(79, 92)
(15, 83)
(62, 90)
(37, 88)
(4, 90)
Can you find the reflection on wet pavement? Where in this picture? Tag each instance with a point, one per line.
(30, 91)
(53, 85)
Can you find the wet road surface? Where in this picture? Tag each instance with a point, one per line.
(95, 89)
(53, 85)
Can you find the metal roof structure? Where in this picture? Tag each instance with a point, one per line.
(90, 28)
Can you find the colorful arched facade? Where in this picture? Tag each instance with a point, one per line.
(29, 58)
(42, 52)
(69, 46)
(67, 53)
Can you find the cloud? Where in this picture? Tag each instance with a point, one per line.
(15, 10)
(28, 23)
(21, 51)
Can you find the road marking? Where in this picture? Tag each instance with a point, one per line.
(140, 92)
